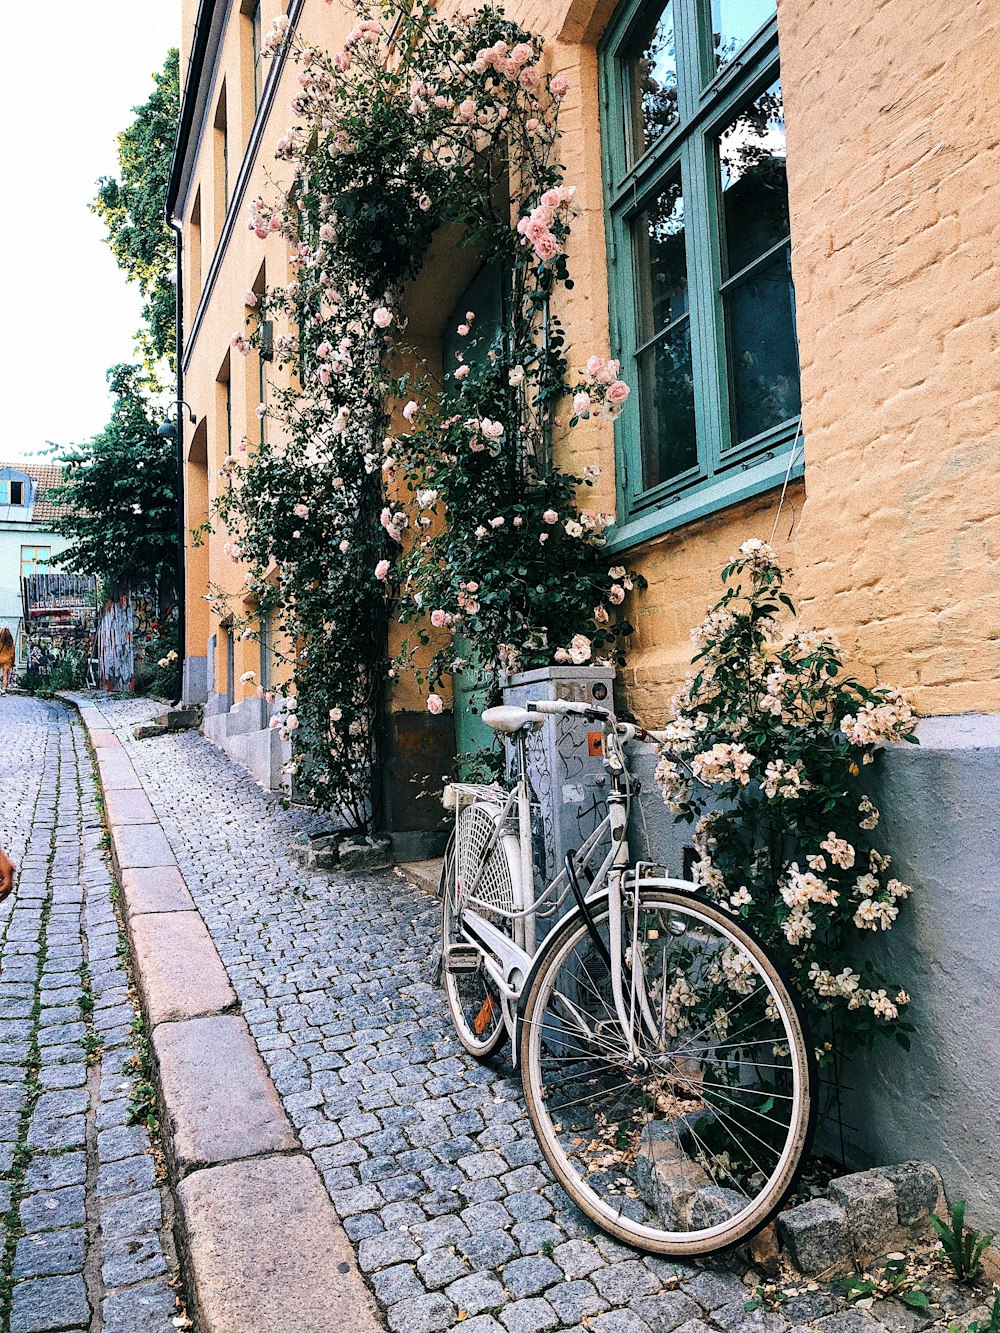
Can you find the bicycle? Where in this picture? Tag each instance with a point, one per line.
(666, 1065)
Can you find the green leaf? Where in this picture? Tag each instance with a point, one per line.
(916, 1298)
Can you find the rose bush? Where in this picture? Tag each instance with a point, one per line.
(767, 742)
(458, 520)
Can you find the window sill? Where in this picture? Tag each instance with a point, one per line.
(722, 492)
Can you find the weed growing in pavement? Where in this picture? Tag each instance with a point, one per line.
(963, 1246)
(142, 1108)
(894, 1279)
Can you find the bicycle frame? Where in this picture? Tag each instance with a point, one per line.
(509, 965)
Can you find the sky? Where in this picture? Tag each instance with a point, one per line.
(68, 87)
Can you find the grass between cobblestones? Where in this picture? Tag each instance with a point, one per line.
(143, 1100)
(22, 1150)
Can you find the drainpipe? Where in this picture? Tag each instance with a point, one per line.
(175, 226)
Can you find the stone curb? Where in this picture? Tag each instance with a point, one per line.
(264, 1249)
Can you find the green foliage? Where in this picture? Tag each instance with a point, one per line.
(67, 672)
(893, 1279)
(121, 489)
(131, 206)
(156, 677)
(458, 522)
(963, 1246)
(764, 754)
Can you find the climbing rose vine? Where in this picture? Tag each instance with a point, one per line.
(384, 486)
(766, 745)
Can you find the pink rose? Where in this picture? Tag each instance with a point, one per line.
(439, 619)
(550, 516)
(435, 704)
(546, 247)
(382, 317)
(618, 392)
(581, 404)
(463, 330)
(559, 86)
(250, 299)
(410, 410)
(462, 372)
(595, 364)
(345, 546)
(616, 594)
(382, 570)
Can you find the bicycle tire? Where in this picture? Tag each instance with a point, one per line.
(660, 1186)
(467, 996)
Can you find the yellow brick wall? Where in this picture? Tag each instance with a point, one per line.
(894, 164)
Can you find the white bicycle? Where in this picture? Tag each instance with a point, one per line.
(666, 1065)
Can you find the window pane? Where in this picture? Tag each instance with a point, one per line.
(666, 407)
(754, 185)
(763, 356)
(666, 393)
(660, 263)
(734, 22)
(650, 62)
(757, 290)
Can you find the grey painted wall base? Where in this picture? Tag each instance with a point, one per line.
(195, 686)
(940, 1102)
(242, 732)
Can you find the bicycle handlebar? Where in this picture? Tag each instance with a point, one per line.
(629, 731)
(560, 707)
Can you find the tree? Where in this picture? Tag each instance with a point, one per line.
(132, 209)
(121, 489)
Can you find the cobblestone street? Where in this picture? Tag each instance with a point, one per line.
(83, 1238)
(428, 1157)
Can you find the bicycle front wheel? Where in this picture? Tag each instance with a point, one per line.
(689, 1144)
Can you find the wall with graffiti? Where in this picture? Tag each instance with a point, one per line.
(130, 629)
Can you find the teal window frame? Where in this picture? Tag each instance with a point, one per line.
(707, 101)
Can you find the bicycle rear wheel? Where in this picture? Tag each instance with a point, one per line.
(692, 1146)
(474, 999)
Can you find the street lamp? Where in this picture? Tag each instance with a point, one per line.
(174, 430)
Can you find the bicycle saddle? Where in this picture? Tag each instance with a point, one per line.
(508, 719)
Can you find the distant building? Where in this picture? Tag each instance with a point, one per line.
(27, 540)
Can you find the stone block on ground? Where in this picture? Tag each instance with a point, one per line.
(219, 1101)
(180, 972)
(155, 889)
(117, 773)
(266, 1253)
(869, 1200)
(919, 1191)
(365, 854)
(180, 719)
(129, 807)
(140, 845)
(816, 1236)
(102, 738)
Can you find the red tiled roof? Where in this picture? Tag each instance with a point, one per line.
(45, 476)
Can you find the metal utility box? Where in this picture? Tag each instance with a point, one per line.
(564, 758)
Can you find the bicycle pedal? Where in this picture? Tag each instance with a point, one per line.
(463, 959)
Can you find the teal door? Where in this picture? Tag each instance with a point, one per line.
(483, 295)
